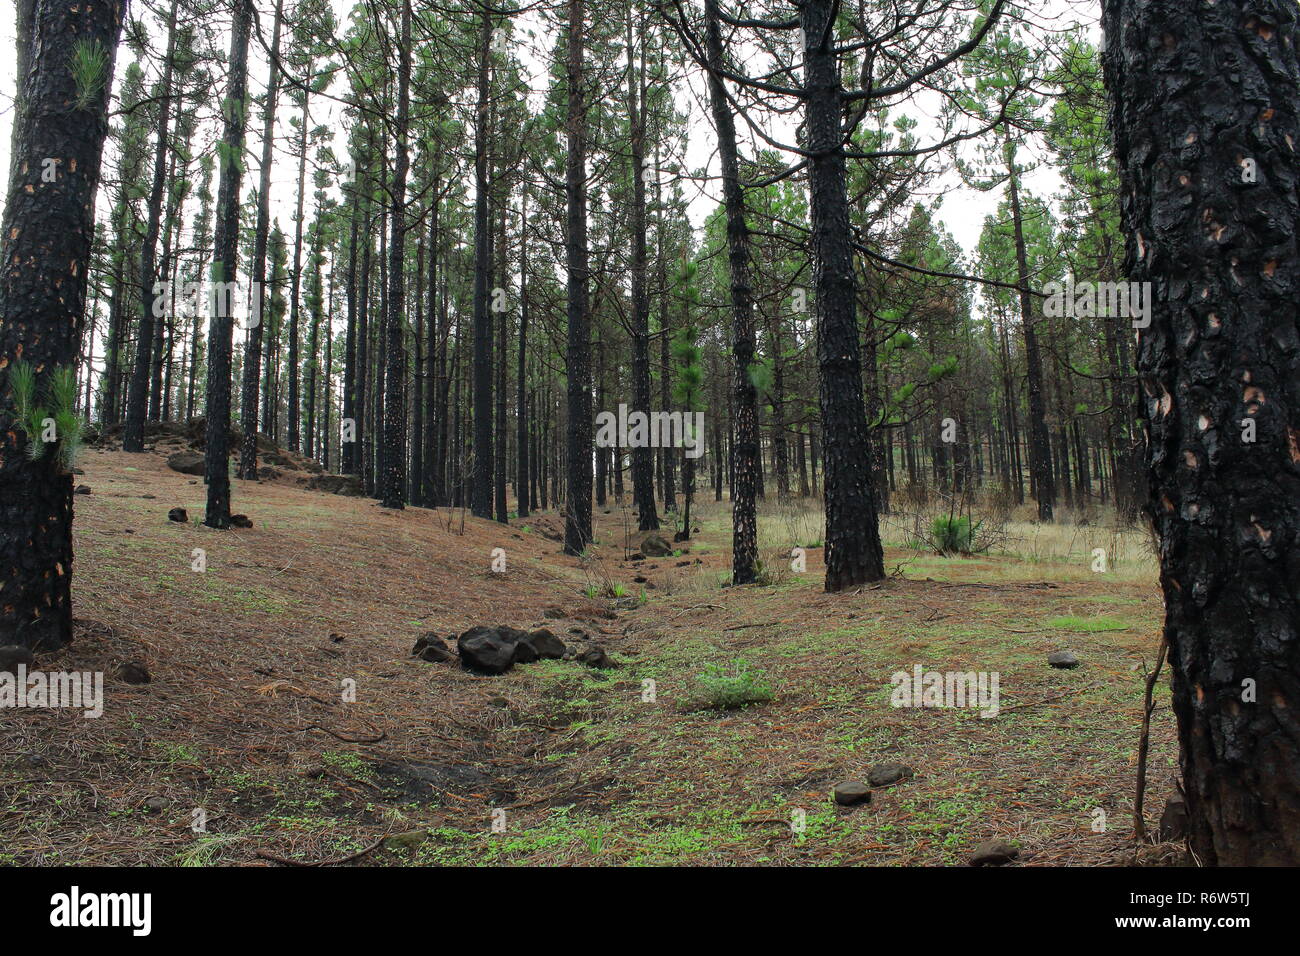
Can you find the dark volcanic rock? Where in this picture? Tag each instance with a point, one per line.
(888, 773)
(133, 672)
(1173, 821)
(545, 644)
(240, 521)
(594, 656)
(11, 655)
(186, 462)
(487, 650)
(349, 486)
(178, 514)
(852, 792)
(82, 490)
(432, 648)
(655, 546)
(1063, 660)
(994, 853)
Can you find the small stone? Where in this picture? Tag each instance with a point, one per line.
(654, 546)
(545, 644)
(155, 805)
(82, 490)
(240, 521)
(1173, 821)
(852, 792)
(432, 648)
(595, 656)
(179, 515)
(409, 840)
(11, 655)
(994, 853)
(888, 774)
(1063, 660)
(133, 672)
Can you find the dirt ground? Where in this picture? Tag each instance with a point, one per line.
(242, 749)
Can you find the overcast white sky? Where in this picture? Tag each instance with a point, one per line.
(962, 212)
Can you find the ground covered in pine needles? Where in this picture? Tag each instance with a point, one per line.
(242, 750)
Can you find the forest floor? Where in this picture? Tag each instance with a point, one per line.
(242, 751)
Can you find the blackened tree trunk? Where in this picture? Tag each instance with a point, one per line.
(853, 551)
(348, 445)
(643, 492)
(500, 434)
(261, 295)
(434, 363)
(225, 255)
(393, 492)
(577, 516)
(1040, 452)
(1206, 115)
(482, 485)
(521, 405)
(744, 513)
(137, 402)
(48, 230)
(295, 283)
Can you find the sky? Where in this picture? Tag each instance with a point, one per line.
(962, 211)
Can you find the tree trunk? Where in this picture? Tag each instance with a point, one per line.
(482, 485)
(577, 518)
(47, 234)
(394, 478)
(225, 257)
(137, 405)
(1205, 107)
(744, 514)
(253, 344)
(853, 551)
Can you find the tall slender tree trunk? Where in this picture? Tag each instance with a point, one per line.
(253, 342)
(1040, 449)
(137, 404)
(295, 283)
(225, 256)
(744, 512)
(482, 485)
(577, 518)
(853, 551)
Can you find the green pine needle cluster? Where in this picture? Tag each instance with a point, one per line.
(59, 407)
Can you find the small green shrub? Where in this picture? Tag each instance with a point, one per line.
(723, 687)
(953, 535)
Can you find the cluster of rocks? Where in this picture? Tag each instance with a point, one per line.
(495, 650)
(853, 792)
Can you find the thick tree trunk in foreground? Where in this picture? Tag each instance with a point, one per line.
(225, 256)
(853, 550)
(48, 229)
(744, 513)
(577, 516)
(1205, 117)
